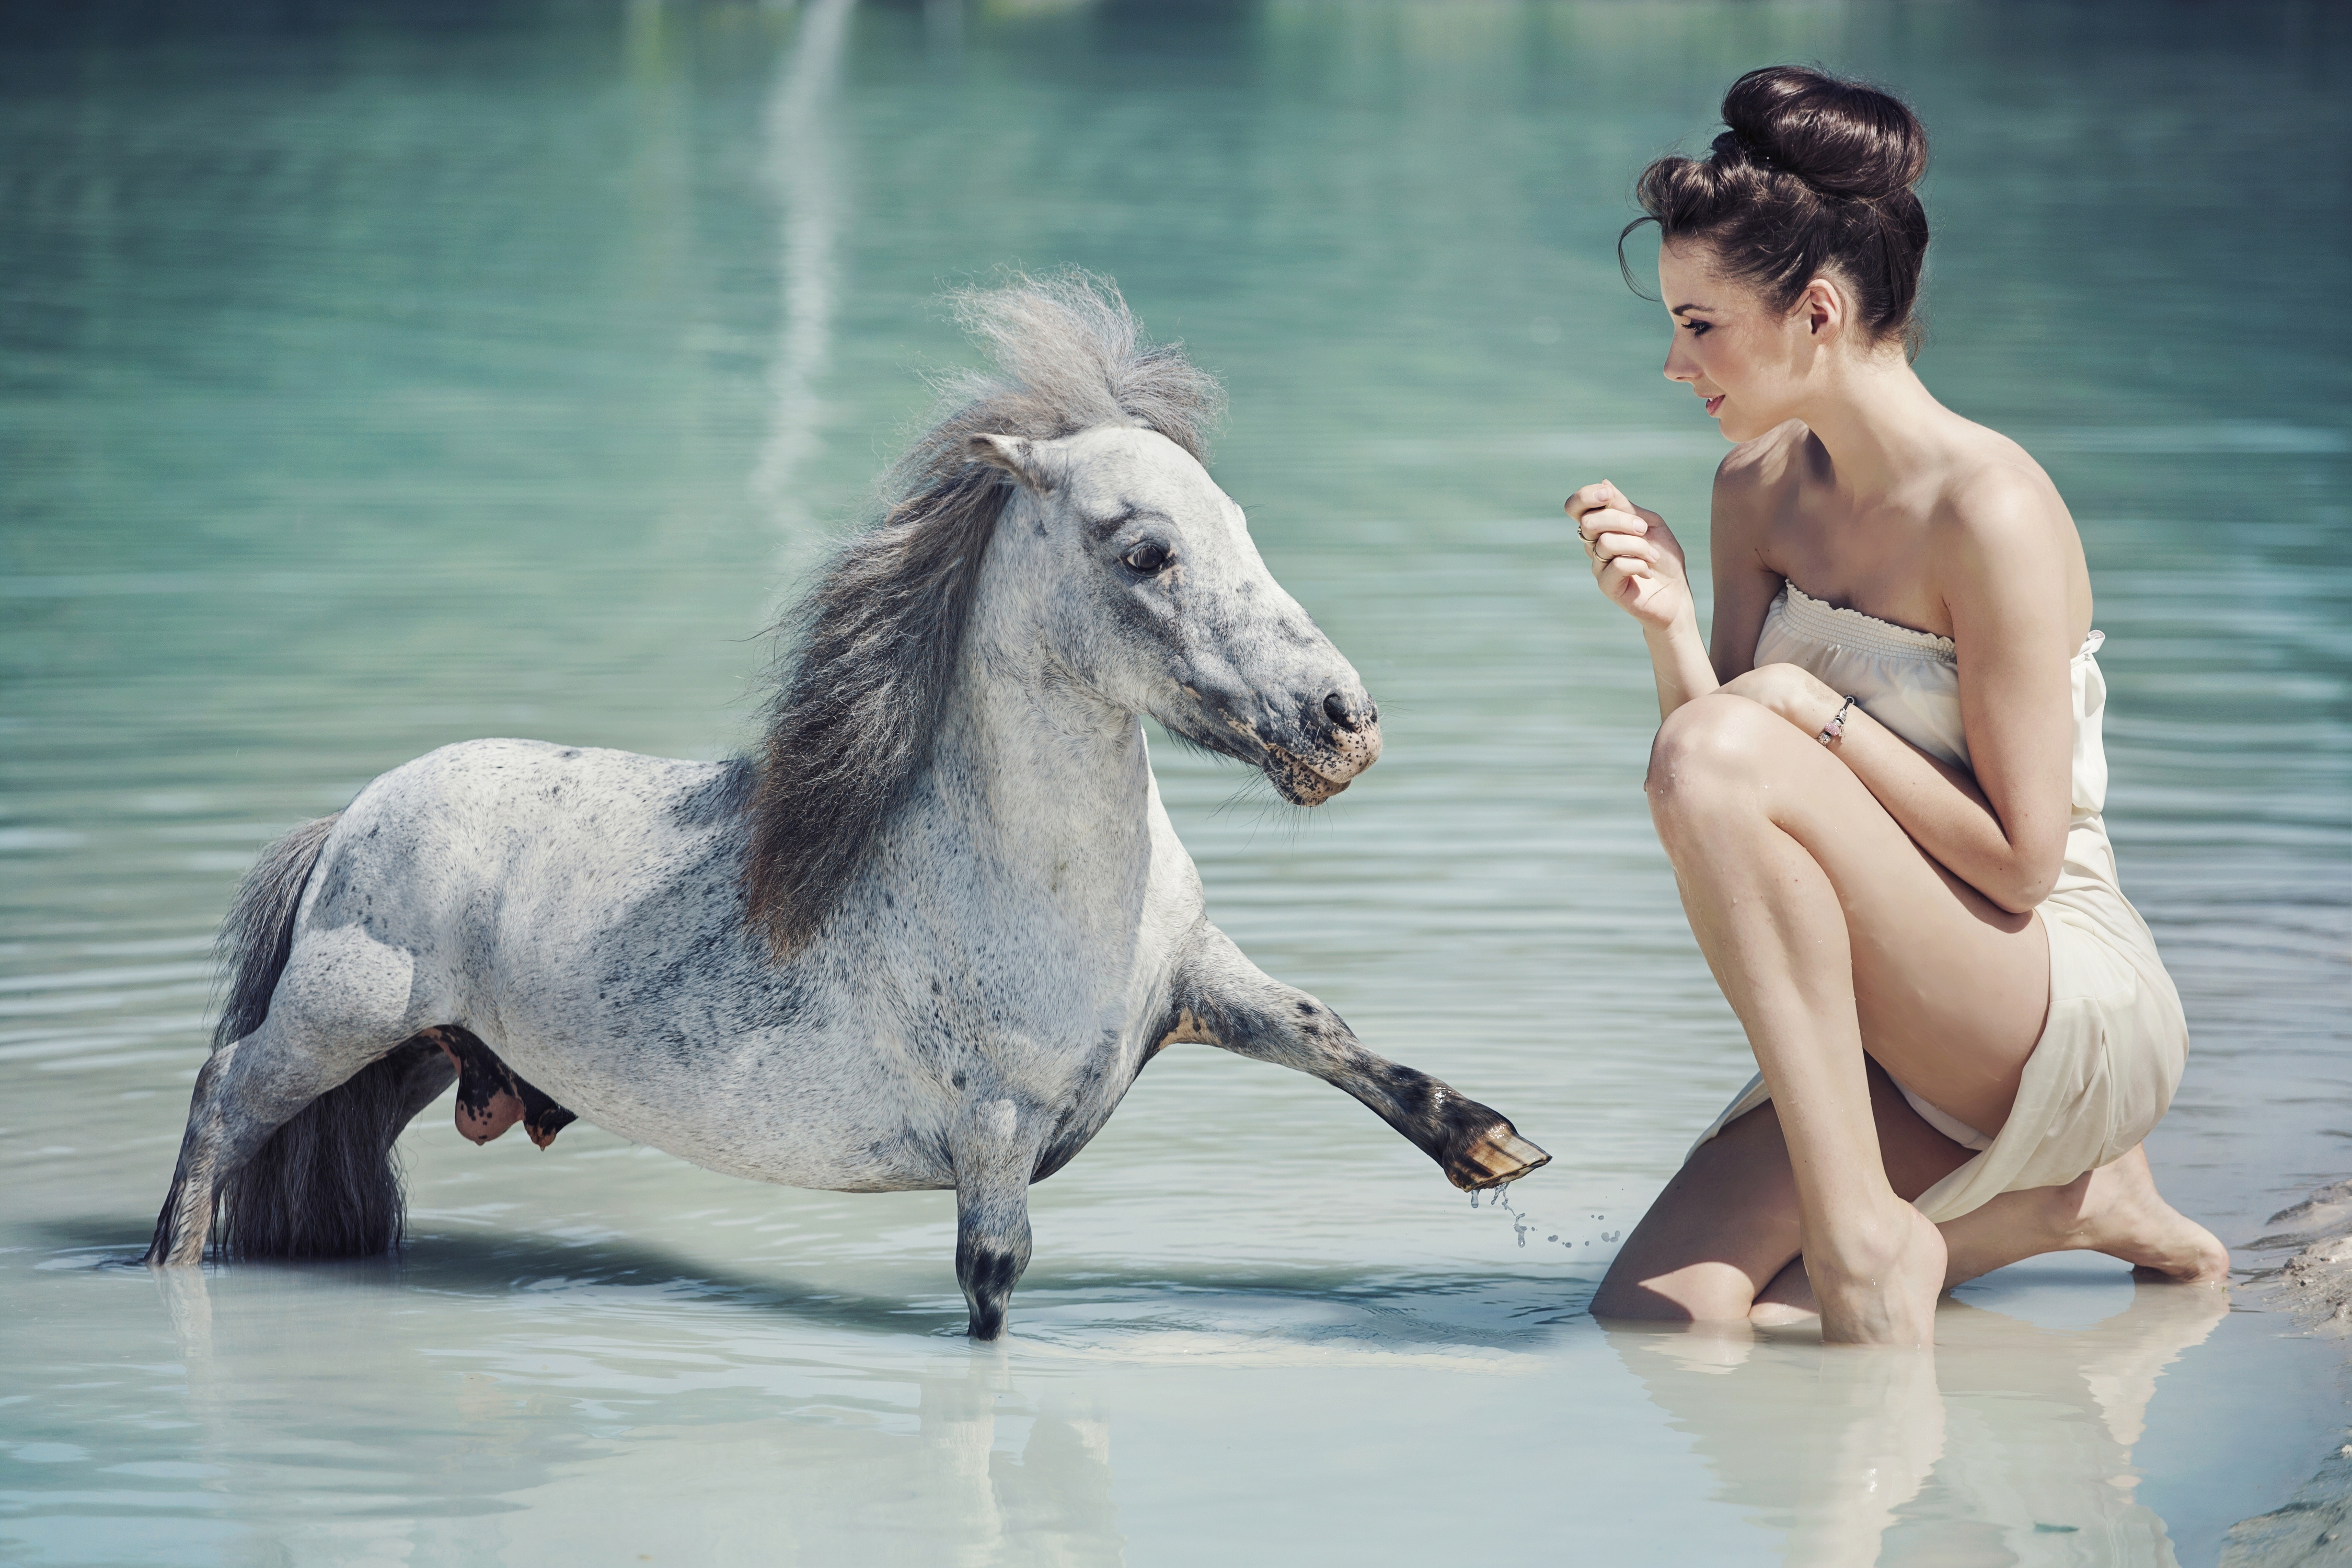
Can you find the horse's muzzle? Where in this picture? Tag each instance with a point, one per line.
(1311, 776)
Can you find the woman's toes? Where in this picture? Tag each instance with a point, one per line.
(2124, 1217)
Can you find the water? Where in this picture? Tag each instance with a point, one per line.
(373, 377)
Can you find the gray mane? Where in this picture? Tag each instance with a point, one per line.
(876, 644)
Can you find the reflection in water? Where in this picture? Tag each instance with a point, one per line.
(377, 376)
(1825, 1444)
(2013, 1438)
(1043, 1496)
(801, 169)
(863, 1453)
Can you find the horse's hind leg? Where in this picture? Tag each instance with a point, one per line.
(292, 1126)
(294, 1173)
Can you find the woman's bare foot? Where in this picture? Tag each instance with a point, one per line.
(2114, 1209)
(1880, 1288)
(2117, 1210)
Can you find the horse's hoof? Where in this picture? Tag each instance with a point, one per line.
(1496, 1156)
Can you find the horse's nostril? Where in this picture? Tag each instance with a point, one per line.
(1335, 708)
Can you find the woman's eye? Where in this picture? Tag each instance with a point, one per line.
(1146, 557)
(1698, 329)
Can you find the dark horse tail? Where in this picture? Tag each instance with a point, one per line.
(258, 934)
(324, 1184)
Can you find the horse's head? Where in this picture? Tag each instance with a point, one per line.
(1055, 515)
(1148, 591)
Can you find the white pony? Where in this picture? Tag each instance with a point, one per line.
(925, 940)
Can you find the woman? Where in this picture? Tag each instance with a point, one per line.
(1881, 784)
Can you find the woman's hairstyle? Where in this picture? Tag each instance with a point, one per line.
(1814, 175)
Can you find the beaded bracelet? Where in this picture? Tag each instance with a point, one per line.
(1835, 730)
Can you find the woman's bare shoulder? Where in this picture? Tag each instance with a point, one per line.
(1755, 480)
(2001, 527)
(1993, 494)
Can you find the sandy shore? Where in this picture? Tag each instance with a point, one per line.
(2314, 1527)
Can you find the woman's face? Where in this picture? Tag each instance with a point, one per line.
(1746, 359)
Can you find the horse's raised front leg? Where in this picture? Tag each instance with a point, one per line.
(1221, 998)
(994, 1155)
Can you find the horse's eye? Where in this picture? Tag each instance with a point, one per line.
(1148, 557)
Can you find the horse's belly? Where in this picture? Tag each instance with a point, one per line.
(804, 1129)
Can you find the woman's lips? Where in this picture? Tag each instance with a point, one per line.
(1715, 405)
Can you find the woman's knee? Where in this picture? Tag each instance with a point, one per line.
(1728, 1222)
(1707, 748)
(1704, 1293)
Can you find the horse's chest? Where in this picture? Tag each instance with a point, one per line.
(1047, 1035)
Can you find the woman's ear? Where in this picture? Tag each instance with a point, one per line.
(1822, 306)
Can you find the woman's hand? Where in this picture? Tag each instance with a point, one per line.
(1638, 563)
(1635, 557)
(1793, 691)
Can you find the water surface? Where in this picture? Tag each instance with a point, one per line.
(375, 377)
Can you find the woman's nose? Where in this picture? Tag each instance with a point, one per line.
(1677, 369)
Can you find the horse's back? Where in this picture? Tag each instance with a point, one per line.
(452, 858)
(509, 803)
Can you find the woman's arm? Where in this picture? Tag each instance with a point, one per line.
(1747, 491)
(1638, 563)
(2003, 571)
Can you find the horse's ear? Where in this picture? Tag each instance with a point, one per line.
(1013, 453)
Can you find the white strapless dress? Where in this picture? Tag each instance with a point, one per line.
(2113, 1045)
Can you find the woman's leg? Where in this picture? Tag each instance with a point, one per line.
(1941, 985)
(2114, 1210)
(1834, 937)
(1723, 1239)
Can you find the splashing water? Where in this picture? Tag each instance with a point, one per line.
(1524, 1224)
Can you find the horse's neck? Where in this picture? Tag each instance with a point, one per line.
(1042, 775)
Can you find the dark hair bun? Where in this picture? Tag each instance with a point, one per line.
(1842, 138)
(1813, 175)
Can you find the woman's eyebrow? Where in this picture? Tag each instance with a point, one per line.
(1678, 310)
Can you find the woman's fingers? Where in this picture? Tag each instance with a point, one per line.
(1609, 520)
(1589, 496)
(1624, 581)
(1599, 494)
(1617, 546)
(1635, 559)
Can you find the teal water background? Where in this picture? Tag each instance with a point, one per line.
(378, 376)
